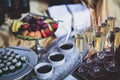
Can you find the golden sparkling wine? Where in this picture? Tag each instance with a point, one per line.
(81, 48)
(117, 39)
(117, 36)
(98, 39)
(77, 41)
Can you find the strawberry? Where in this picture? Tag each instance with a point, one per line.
(43, 34)
(26, 26)
(54, 25)
(47, 31)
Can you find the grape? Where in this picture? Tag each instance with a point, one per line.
(44, 25)
(33, 20)
(37, 27)
(26, 19)
(39, 21)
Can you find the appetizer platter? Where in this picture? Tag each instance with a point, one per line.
(33, 27)
(13, 62)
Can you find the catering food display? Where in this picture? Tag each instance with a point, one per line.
(10, 62)
(14, 62)
(34, 27)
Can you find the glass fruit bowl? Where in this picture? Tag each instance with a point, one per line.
(33, 27)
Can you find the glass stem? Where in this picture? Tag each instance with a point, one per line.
(38, 47)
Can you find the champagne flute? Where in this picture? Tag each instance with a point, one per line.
(89, 32)
(96, 70)
(112, 65)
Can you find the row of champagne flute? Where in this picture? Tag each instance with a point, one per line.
(102, 43)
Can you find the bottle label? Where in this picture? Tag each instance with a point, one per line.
(9, 3)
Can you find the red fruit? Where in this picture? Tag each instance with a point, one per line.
(47, 31)
(26, 26)
(54, 25)
(43, 33)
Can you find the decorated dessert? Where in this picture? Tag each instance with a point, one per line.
(34, 27)
(10, 62)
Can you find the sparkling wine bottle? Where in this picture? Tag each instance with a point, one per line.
(15, 12)
(2, 16)
(7, 5)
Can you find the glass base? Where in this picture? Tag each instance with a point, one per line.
(88, 63)
(112, 66)
(96, 72)
(82, 70)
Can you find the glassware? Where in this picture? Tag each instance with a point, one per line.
(112, 65)
(80, 46)
(104, 28)
(111, 22)
(89, 33)
(117, 37)
(97, 71)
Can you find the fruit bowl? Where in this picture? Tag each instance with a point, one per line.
(33, 27)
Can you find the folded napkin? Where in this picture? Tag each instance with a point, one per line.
(81, 16)
(78, 13)
(61, 13)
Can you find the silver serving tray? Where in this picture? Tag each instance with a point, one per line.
(32, 59)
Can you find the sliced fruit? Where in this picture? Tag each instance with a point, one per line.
(50, 28)
(25, 33)
(37, 34)
(48, 20)
(18, 25)
(14, 25)
(43, 34)
(26, 26)
(32, 34)
(48, 32)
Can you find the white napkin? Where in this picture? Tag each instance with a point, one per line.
(60, 12)
(81, 17)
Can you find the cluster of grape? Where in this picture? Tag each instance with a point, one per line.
(37, 27)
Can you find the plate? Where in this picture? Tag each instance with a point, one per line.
(32, 59)
(33, 27)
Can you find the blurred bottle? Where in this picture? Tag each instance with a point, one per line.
(7, 5)
(25, 6)
(15, 11)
